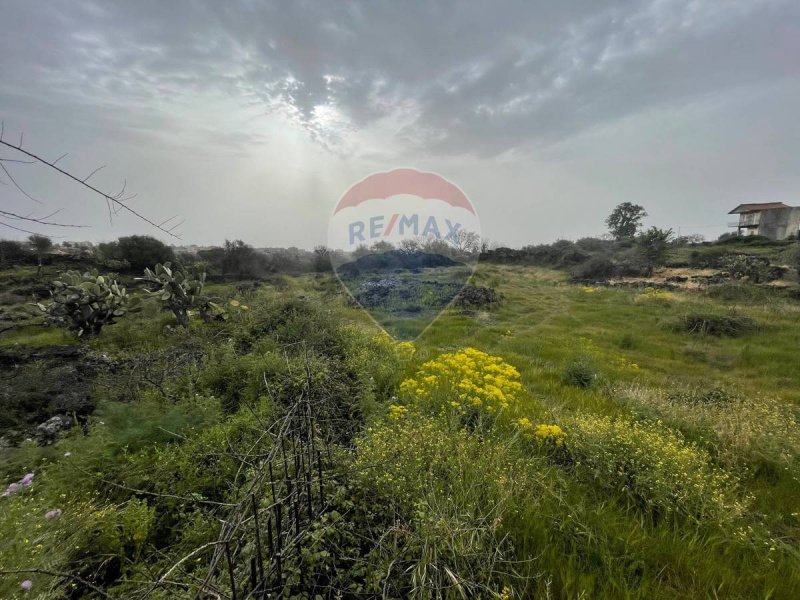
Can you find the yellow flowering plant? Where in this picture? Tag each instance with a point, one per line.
(468, 381)
(548, 438)
(655, 468)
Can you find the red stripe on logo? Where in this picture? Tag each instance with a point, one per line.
(390, 226)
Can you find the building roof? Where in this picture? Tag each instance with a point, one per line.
(742, 208)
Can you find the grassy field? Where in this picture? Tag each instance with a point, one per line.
(611, 453)
(643, 367)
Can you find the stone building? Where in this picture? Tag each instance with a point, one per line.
(774, 220)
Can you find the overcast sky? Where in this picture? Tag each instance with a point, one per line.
(250, 119)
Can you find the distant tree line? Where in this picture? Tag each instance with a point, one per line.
(627, 250)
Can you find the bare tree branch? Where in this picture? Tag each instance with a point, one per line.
(115, 203)
(85, 179)
(39, 220)
(16, 185)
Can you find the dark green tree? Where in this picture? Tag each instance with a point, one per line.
(142, 251)
(11, 250)
(625, 220)
(243, 261)
(41, 244)
(653, 245)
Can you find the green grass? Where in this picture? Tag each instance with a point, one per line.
(36, 337)
(545, 325)
(497, 509)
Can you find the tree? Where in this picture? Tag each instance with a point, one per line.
(41, 244)
(11, 250)
(243, 261)
(322, 259)
(142, 251)
(381, 246)
(653, 245)
(625, 220)
(409, 245)
(465, 242)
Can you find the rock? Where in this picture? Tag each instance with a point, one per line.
(52, 430)
(476, 296)
(373, 293)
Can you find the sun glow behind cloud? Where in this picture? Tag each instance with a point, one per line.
(311, 93)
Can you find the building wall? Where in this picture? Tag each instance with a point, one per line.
(779, 223)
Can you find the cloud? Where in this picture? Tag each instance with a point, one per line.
(250, 118)
(478, 78)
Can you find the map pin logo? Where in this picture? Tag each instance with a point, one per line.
(404, 243)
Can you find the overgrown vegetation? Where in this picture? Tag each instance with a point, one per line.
(566, 442)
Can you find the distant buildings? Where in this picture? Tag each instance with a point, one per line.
(773, 220)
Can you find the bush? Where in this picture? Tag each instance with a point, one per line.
(453, 494)
(596, 268)
(754, 268)
(632, 263)
(712, 258)
(750, 431)
(791, 256)
(13, 251)
(728, 325)
(654, 468)
(580, 372)
(749, 240)
(590, 244)
(180, 291)
(573, 256)
(653, 244)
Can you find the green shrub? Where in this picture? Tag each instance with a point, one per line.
(627, 341)
(753, 268)
(452, 493)
(580, 372)
(731, 325)
(633, 263)
(709, 258)
(791, 256)
(595, 268)
(140, 251)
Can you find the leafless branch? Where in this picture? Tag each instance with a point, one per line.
(115, 203)
(14, 160)
(85, 179)
(39, 220)
(4, 224)
(16, 185)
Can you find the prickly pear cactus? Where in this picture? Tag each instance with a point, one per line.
(87, 302)
(180, 291)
